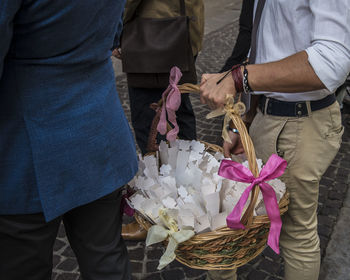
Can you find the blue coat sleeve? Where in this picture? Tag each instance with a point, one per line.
(8, 10)
(116, 42)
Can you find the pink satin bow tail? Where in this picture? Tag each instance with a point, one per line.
(171, 102)
(274, 168)
(125, 207)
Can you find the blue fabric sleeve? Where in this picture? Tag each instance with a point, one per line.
(116, 42)
(8, 10)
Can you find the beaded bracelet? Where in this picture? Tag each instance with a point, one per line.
(241, 81)
(247, 89)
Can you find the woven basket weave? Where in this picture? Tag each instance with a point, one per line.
(226, 248)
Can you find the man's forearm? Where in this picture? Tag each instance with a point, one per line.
(292, 74)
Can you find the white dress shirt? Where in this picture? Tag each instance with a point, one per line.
(320, 27)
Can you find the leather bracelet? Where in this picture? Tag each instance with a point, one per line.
(247, 89)
(237, 78)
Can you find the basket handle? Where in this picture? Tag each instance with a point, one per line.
(152, 145)
(247, 143)
(248, 147)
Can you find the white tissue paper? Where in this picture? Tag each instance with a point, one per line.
(202, 224)
(187, 184)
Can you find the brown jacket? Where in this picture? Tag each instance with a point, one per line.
(171, 8)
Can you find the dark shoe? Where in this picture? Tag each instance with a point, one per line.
(133, 231)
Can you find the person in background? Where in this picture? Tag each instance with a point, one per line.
(242, 46)
(300, 57)
(147, 89)
(65, 144)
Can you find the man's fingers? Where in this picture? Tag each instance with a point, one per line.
(235, 147)
(238, 150)
(203, 89)
(212, 93)
(203, 81)
(227, 153)
(204, 78)
(227, 149)
(116, 53)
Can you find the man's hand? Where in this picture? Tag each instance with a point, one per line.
(235, 147)
(215, 94)
(117, 53)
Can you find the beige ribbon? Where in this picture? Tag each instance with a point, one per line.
(231, 110)
(159, 233)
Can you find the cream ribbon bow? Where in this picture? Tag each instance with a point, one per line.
(159, 233)
(231, 110)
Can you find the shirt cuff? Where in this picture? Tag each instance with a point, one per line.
(331, 67)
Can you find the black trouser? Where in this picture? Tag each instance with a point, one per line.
(93, 230)
(142, 115)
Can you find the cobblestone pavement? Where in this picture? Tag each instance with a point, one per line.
(268, 265)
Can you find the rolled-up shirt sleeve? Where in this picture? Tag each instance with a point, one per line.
(8, 10)
(329, 54)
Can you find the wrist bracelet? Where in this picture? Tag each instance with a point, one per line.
(246, 86)
(234, 71)
(237, 78)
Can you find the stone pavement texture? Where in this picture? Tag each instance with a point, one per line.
(336, 262)
(268, 266)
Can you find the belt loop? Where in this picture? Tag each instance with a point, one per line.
(308, 106)
(266, 104)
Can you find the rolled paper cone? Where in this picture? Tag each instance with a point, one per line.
(184, 145)
(163, 152)
(218, 221)
(185, 219)
(165, 169)
(169, 202)
(172, 152)
(197, 146)
(212, 203)
(207, 187)
(181, 163)
(202, 224)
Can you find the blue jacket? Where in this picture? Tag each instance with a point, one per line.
(64, 139)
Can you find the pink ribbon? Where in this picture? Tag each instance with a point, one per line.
(125, 207)
(171, 103)
(274, 168)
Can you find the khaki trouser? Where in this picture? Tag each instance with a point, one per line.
(309, 145)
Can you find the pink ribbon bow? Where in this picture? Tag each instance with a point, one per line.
(171, 103)
(274, 168)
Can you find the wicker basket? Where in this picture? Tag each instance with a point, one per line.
(226, 248)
